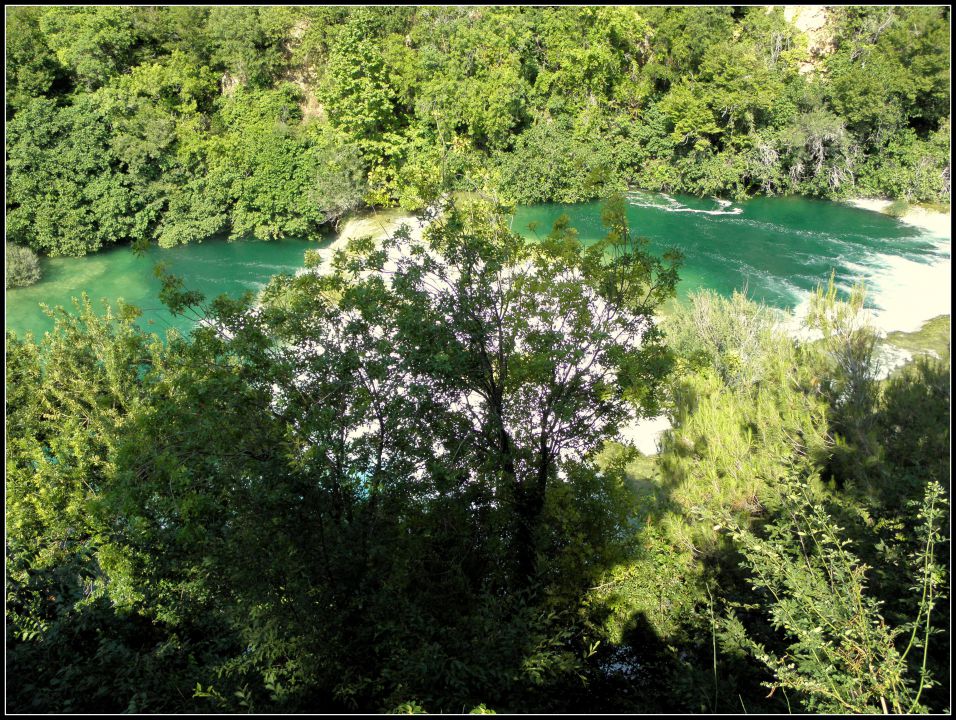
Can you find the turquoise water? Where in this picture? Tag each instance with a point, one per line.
(778, 249)
(212, 267)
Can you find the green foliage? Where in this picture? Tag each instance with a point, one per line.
(848, 343)
(357, 92)
(481, 710)
(909, 167)
(683, 37)
(92, 43)
(248, 42)
(541, 104)
(732, 336)
(591, 53)
(556, 161)
(933, 338)
(70, 584)
(897, 208)
(32, 67)
(176, 123)
(390, 485)
(471, 75)
(765, 430)
(280, 178)
(890, 65)
(842, 655)
(737, 415)
(22, 266)
(65, 195)
(848, 367)
(913, 426)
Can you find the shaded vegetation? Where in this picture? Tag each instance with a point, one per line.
(395, 485)
(396, 482)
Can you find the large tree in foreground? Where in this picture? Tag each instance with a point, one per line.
(474, 351)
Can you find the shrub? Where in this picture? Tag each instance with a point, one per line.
(843, 656)
(23, 266)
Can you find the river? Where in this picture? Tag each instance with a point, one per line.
(779, 249)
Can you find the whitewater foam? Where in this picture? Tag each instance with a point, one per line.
(902, 295)
(937, 224)
(638, 199)
(908, 293)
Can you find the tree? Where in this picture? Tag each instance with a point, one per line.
(553, 160)
(93, 43)
(281, 178)
(472, 75)
(247, 43)
(65, 195)
(889, 69)
(574, 72)
(32, 68)
(356, 89)
(429, 411)
(531, 351)
(682, 37)
(87, 630)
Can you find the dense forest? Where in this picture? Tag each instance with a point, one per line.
(399, 481)
(174, 124)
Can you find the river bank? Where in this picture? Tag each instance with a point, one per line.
(376, 224)
(937, 222)
(778, 248)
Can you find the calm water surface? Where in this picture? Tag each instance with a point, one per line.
(212, 267)
(779, 249)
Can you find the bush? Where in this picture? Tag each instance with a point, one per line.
(735, 336)
(23, 266)
(843, 656)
